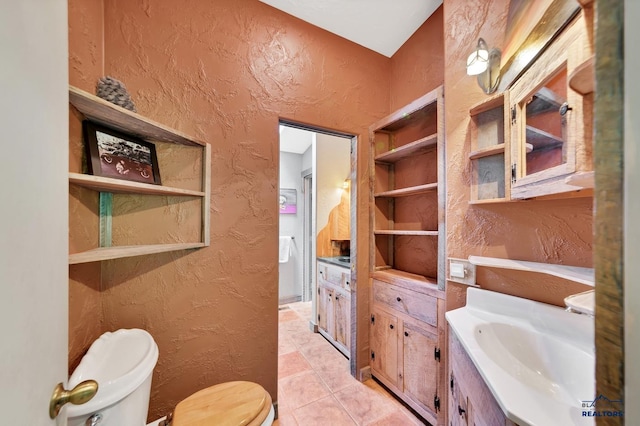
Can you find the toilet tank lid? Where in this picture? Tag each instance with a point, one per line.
(120, 362)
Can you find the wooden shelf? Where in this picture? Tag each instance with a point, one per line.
(543, 101)
(571, 273)
(404, 192)
(405, 232)
(488, 104)
(540, 139)
(408, 150)
(581, 179)
(103, 112)
(414, 112)
(583, 79)
(493, 150)
(107, 253)
(119, 186)
(487, 151)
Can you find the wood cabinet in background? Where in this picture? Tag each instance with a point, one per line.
(334, 305)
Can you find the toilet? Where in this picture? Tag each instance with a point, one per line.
(122, 363)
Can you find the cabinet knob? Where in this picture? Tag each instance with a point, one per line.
(564, 108)
(391, 326)
(461, 410)
(406, 333)
(337, 297)
(398, 299)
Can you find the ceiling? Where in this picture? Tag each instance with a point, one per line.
(294, 140)
(380, 25)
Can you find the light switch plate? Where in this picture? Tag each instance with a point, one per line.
(462, 271)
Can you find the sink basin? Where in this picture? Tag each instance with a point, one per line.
(537, 359)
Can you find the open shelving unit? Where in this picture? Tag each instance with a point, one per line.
(102, 112)
(490, 127)
(408, 191)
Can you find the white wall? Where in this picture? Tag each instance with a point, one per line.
(631, 209)
(307, 157)
(333, 166)
(290, 283)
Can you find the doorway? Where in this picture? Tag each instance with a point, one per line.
(321, 160)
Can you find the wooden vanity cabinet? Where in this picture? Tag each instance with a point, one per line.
(471, 402)
(334, 305)
(407, 347)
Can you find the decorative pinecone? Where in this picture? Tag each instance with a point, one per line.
(114, 91)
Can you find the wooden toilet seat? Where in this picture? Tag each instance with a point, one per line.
(226, 404)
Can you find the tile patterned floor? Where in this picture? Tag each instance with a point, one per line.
(315, 387)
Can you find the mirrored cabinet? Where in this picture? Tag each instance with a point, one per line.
(535, 139)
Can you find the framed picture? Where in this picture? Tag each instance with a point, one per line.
(116, 155)
(288, 201)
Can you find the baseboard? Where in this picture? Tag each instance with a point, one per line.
(365, 373)
(289, 299)
(313, 327)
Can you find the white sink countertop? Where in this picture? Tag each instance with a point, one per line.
(538, 360)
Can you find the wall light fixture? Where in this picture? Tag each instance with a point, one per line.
(485, 63)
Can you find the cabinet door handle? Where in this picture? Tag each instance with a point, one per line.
(461, 410)
(391, 326)
(337, 297)
(398, 299)
(406, 333)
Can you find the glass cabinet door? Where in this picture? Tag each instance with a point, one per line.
(545, 113)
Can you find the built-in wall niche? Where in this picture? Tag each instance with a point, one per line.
(408, 191)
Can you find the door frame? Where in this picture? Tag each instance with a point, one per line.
(353, 211)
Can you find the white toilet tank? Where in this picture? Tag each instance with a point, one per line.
(122, 363)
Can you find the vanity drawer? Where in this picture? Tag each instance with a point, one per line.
(335, 275)
(417, 305)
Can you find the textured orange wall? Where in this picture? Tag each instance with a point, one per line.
(224, 72)
(552, 231)
(85, 67)
(418, 66)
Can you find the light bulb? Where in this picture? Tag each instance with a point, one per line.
(477, 62)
